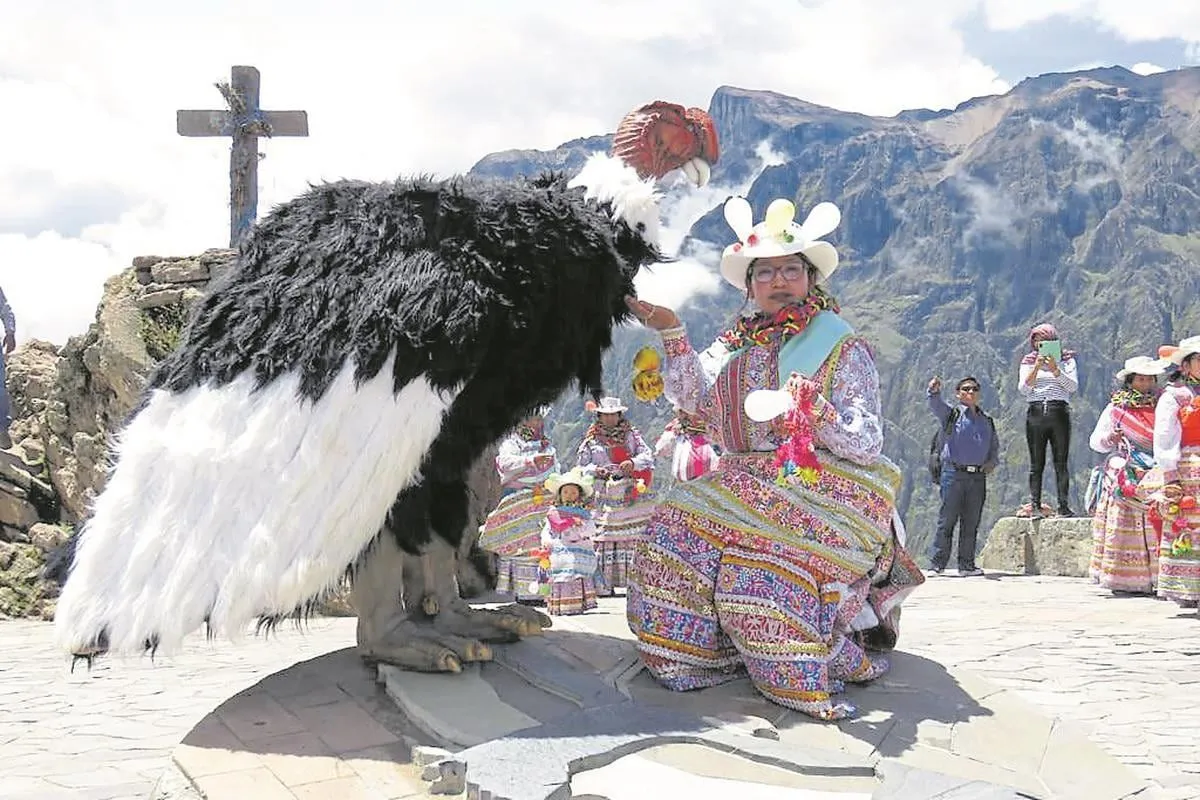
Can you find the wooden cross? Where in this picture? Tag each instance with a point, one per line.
(245, 122)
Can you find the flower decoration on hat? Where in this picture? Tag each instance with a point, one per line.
(648, 381)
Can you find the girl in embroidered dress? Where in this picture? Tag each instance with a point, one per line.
(1125, 536)
(787, 562)
(615, 454)
(570, 581)
(686, 442)
(525, 460)
(1174, 485)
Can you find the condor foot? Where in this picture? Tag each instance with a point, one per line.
(501, 625)
(424, 647)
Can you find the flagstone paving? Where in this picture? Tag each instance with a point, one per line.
(1034, 659)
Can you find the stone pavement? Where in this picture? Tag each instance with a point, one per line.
(1125, 670)
(1025, 667)
(109, 733)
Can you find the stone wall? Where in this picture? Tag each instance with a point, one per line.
(1053, 546)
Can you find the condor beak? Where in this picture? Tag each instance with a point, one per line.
(698, 171)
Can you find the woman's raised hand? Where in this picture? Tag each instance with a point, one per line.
(659, 318)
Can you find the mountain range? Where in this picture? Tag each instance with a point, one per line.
(1073, 199)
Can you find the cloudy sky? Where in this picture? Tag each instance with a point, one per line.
(92, 172)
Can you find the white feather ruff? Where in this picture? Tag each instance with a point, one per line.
(610, 180)
(241, 503)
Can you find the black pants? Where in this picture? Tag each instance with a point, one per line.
(1049, 423)
(963, 496)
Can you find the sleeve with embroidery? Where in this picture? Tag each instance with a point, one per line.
(1168, 434)
(1102, 439)
(588, 458)
(641, 454)
(849, 422)
(689, 376)
(512, 462)
(665, 446)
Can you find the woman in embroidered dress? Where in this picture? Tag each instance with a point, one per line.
(525, 460)
(786, 565)
(1174, 485)
(685, 441)
(1125, 536)
(570, 580)
(615, 454)
(1047, 383)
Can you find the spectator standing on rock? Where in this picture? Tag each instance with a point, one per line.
(10, 344)
(1047, 379)
(970, 451)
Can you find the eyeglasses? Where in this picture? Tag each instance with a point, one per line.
(766, 274)
(971, 389)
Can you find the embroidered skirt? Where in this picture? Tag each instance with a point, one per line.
(621, 523)
(515, 526)
(740, 575)
(524, 577)
(1125, 540)
(511, 531)
(1179, 550)
(571, 579)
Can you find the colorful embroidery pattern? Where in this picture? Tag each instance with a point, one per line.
(788, 321)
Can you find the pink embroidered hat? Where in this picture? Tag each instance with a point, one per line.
(778, 235)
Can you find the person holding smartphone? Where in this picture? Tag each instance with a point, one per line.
(1047, 379)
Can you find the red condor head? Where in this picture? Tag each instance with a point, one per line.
(660, 137)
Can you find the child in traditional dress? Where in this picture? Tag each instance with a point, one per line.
(686, 443)
(570, 586)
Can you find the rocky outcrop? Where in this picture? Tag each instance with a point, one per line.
(67, 402)
(23, 590)
(1056, 546)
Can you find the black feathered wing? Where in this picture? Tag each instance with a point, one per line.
(250, 496)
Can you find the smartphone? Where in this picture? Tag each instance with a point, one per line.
(1050, 347)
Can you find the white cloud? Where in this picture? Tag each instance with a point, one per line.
(1146, 20)
(1146, 68)
(992, 209)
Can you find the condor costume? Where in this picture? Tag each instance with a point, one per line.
(327, 400)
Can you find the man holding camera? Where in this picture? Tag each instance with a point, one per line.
(970, 451)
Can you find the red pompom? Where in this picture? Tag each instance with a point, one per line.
(752, 239)
(590, 406)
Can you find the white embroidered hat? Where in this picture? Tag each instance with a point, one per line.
(1143, 365)
(572, 477)
(611, 405)
(778, 235)
(1185, 348)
